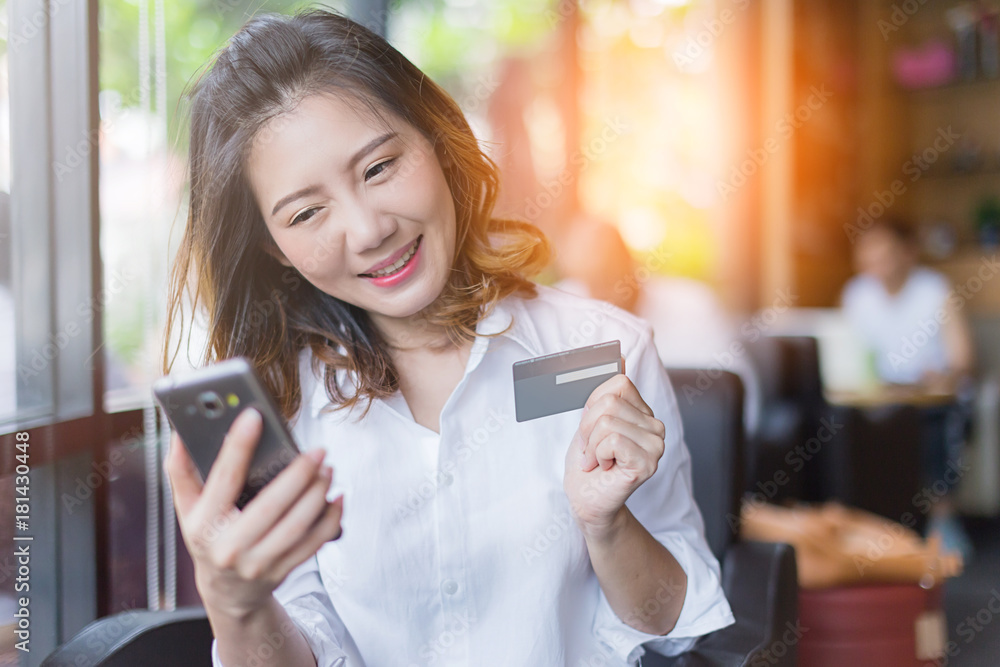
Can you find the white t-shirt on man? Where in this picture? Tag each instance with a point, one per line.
(903, 330)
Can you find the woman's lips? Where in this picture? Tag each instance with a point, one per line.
(402, 253)
(404, 272)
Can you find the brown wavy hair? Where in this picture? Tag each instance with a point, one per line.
(264, 311)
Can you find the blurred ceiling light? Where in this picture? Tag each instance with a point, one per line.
(642, 228)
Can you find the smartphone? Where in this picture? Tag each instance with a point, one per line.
(202, 404)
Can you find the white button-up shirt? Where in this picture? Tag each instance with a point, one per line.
(459, 547)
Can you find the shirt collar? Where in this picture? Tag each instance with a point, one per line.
(522, 331)
(511, 307)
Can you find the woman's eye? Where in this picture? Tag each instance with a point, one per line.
(303, 216)
(378, 169)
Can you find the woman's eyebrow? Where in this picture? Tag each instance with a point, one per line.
(314, 189)
(298, 194)
(368, 148)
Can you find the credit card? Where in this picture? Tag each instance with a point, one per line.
(563, 381)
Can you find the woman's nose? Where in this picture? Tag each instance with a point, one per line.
(368, 226)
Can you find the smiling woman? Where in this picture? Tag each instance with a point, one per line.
(319, 155)
(329, 176)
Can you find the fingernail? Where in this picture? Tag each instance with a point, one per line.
(326, 471)
(251, 417)
(316, 455)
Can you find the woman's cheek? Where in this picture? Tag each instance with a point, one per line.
(410, 163)
(315, 257)
(421, 186)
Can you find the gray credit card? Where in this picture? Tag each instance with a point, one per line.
(563, 381)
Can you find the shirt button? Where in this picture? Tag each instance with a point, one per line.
(449, 586)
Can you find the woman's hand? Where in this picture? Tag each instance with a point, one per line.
(615, 449)
(240, 557)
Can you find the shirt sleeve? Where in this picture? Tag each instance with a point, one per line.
(308, 604)
(665, 506)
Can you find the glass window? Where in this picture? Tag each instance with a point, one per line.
(8, 350)
(146, 62)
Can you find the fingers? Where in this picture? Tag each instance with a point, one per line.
(612, 405)
(185, 480)
(616, 396)
(622, 387)
(614, 428)
(283, 492)
(294, 524)
(229, 472)
(631, 458)
(326, 528)
(608, 406)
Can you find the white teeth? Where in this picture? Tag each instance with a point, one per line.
(395, 267)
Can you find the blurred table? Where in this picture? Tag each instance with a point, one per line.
(890, 394)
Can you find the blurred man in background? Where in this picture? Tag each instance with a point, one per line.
(915, 328)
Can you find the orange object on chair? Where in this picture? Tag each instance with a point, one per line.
(870, 589)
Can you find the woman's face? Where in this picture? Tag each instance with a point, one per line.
(343, 195)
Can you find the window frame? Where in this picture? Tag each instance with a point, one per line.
(55, 234)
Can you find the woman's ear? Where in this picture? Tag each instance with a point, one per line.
(274, 251)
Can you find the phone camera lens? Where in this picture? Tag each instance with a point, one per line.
(211, 405)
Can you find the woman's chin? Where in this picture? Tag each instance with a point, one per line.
(406, 301)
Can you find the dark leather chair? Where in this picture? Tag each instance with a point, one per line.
(140, 638)
(760, 579)
(791, 405)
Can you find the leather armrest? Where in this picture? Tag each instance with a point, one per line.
(140, 637)
(761, 583)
